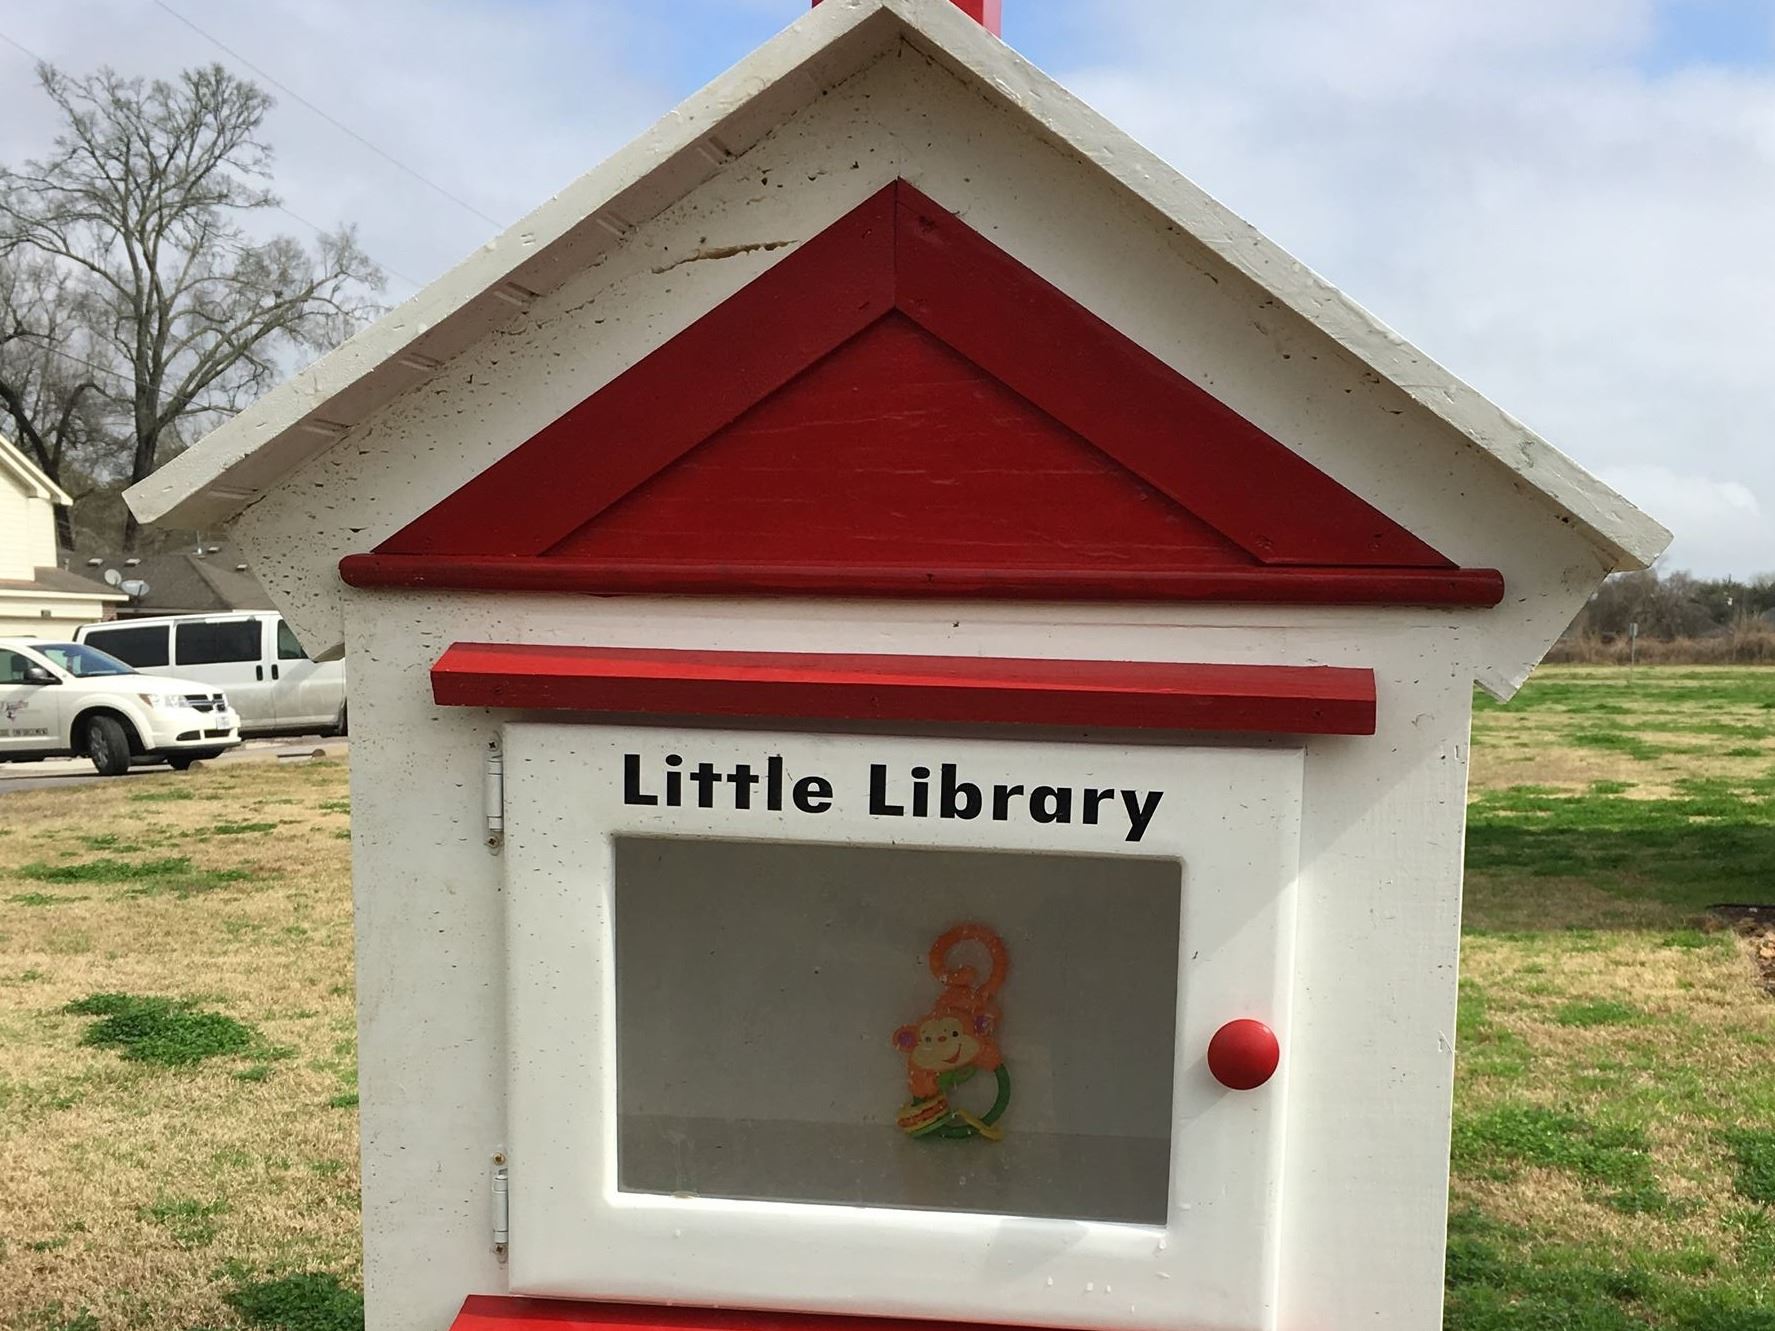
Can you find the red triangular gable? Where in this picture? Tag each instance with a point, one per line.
(901, 408)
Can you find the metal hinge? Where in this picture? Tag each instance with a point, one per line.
(494, 797)
(502, 1206)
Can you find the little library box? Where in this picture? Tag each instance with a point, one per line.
(910, 680)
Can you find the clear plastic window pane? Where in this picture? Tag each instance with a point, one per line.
(781, 1035)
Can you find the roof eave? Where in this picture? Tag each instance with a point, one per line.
(246, 456)
(242, 458)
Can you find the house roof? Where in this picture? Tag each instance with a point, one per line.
(249, 455)
(60, 582)
(184, 581)
(29, 475)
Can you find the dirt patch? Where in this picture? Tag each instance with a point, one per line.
(1756, 926)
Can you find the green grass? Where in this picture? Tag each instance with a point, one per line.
(151, 877)
(308, 1302)
(165, 1031)
(1712, 839)
(1755, 1155)
(172, 794)
(1598, 1012)
(1501, 1279)
(192, 1223)
(1614, 1161)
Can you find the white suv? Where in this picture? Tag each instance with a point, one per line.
(59, 698)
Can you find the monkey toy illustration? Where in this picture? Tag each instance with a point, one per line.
(956, 1038)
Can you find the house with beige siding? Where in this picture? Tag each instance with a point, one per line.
(38, 598)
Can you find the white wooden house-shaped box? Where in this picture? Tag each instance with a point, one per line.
(911, 681)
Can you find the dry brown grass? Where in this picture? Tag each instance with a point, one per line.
(138, 1193)
(1691, 1022)
(1746, 646)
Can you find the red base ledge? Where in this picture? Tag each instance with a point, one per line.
(1138, 695)
(487, 1312)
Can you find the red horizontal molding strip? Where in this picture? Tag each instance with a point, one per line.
(1257, 585)
(489, 1312)
(1135, 695)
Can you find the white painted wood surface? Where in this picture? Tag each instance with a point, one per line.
(856, 94)
(1372, 1001)
(1228, 816)
(27, 516)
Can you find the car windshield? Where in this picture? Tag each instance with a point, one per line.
(81, 661)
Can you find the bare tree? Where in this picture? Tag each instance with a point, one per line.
(49, 388)
(138, 212)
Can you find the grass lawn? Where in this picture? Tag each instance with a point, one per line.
(1614, 1144)
(177, 1071)
(178, 1059)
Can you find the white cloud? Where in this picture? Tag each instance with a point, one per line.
(1587, 243)
(1721, 519)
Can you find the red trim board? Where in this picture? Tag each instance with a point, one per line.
(1294, 586)
(898, 407)
(490, 1312)
(1133, 695)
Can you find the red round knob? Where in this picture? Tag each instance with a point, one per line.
(1244, 1055)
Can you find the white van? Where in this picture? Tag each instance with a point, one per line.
(251, 655)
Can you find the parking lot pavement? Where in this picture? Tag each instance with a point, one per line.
(62, 773)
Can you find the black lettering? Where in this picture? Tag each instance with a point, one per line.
(813, 794)
(743, 779)
(921, 792)
(773, 784)
(705, 776)
(631, 781)
(957, 799)
(1001, 801)
(674, 781)
(1141, 811)
(1048, 805)
(1095, 800)
(878, 800)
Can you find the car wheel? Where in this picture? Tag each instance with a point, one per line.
(181, 762)
(107, 744)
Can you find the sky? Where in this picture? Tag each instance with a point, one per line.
(1570, 203)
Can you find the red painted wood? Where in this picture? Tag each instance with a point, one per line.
(491, 1312)
(1258, 586)
(990, 13)
(941, 467)
(1015, 446)
(1179, 438)
(669, 402)
(1138, 695)
(1244, 1055)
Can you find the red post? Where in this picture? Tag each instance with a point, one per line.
(991, 13)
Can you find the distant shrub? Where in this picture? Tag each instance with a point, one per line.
(1753, 645)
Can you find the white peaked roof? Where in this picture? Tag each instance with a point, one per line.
(30, 477)
(250, 454)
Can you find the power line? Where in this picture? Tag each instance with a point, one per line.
(320, 231)
(331, 120)
(10, 41)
